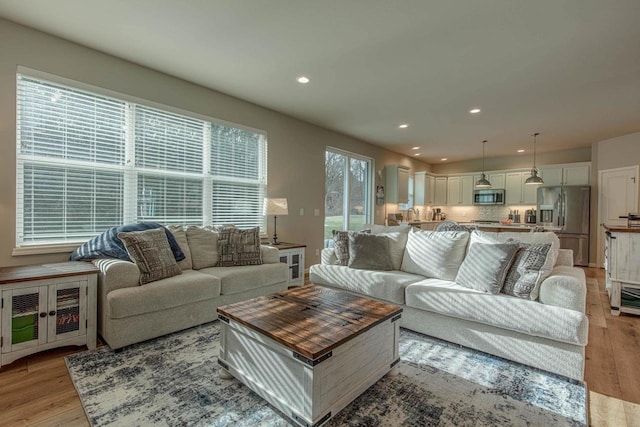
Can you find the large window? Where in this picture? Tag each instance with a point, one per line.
(348, 191)
(86, 162)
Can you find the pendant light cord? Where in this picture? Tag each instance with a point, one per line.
(534, 150)
(483, 142)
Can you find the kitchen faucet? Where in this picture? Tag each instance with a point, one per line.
(416, 213)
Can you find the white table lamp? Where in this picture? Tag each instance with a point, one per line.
(275, 207)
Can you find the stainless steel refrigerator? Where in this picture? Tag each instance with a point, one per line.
(566, 209)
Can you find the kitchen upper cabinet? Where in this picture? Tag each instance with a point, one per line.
(397, 184)
(578, 174)
(424, 189)
(440, 191)
(460, 190)
(497, 179)
(517, 192)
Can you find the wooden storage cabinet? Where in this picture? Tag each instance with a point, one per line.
(622, 277)
(440, 191)
(42, 313)
(292, 254)
(460, 190)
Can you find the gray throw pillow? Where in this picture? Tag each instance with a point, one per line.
(239, 247)
(341, 245)
(369, 252)
(527, 269)
(152, 254)
(203, 244)
(486, 265)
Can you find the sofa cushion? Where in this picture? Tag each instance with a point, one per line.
(502, 311)
(237, 247)
(238, 279)
(384, 285)
(191, 286)
(527, 269)
(179, 233)
(397, 235)
(203, 243)
(152, 254)
(437, 254)
(369, 252)
(341, 245)
(532, 238)
(486, 265)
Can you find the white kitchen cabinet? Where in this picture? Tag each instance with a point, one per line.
(397, 184)
(517, 192)
(576, 174)
(460, 190)
(45, 307)
(424, 189)
(496, 179)
(440, 191)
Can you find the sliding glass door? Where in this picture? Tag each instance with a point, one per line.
(348, 191)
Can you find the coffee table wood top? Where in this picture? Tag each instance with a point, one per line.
(310, 320)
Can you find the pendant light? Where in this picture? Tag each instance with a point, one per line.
(534, 179)
(483, 182)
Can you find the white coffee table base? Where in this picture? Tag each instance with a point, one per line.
(308, 391)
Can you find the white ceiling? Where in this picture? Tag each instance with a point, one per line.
(567, 69)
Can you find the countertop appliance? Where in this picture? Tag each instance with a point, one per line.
(488, 197)
(567, 208)
(530, 216)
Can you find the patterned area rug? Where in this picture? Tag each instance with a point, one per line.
(173, 381)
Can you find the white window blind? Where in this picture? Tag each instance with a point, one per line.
(86, 162)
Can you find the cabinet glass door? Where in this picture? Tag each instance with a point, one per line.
(22, 322)
(67, 310)
(295, 266)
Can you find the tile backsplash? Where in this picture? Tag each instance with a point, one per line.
(486, 213)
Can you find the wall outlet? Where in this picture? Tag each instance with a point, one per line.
(301, 211)
(317, 252)
(316, 212)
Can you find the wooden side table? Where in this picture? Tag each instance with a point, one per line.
(47, 306)
(292, 254)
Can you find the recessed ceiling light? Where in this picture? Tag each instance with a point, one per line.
(444, 159)
(415, 148)
(403, 126)
(474, 111)
(417, 154)
(303, 79)
(521, 151)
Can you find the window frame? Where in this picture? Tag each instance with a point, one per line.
(130, 171)
(370, 193)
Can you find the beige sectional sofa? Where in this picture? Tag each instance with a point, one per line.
(129, 312)
(547, 330)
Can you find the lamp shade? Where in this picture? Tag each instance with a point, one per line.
(275, 206)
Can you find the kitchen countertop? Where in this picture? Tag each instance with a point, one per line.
(621, 229)
(511, 226)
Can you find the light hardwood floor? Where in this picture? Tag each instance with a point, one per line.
(37, 390)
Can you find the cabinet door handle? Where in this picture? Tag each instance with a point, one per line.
(52, 313)
(43, 314)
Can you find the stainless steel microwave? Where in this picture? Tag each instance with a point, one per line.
(488, 197)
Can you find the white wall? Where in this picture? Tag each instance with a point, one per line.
(296, 148)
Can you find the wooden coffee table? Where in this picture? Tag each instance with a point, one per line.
(309, 351)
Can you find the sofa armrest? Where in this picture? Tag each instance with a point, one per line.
(116, 274)
(269, 254)
(566, 287)
(565, 257)
(328, 256)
